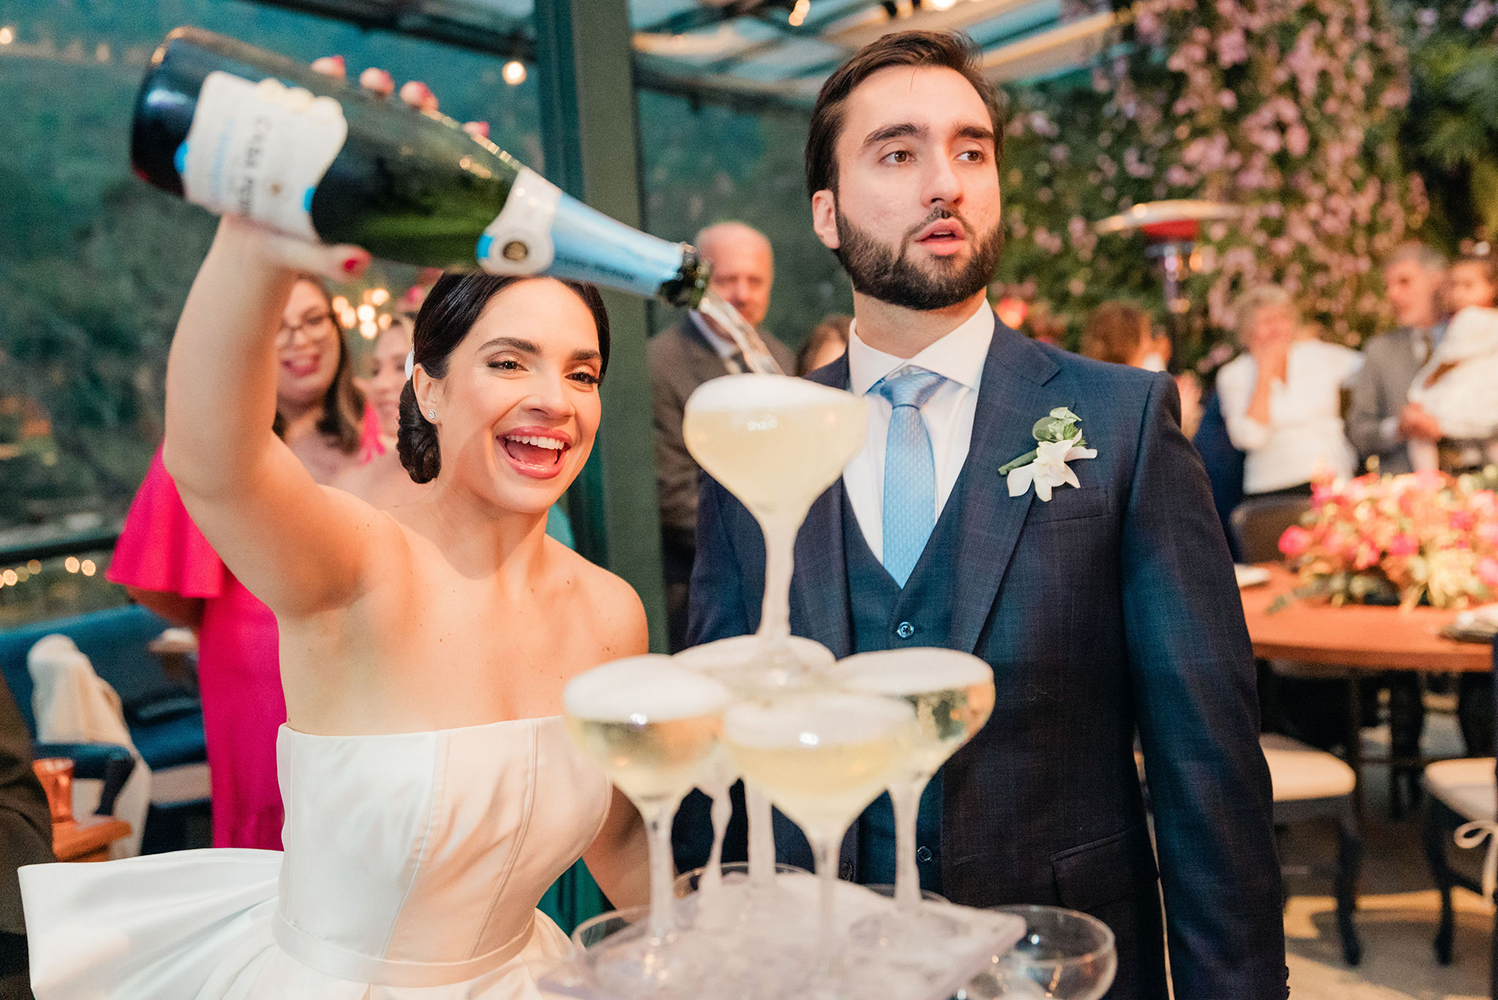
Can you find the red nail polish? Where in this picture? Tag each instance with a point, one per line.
(354, 263)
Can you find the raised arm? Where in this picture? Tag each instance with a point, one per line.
(298, 547)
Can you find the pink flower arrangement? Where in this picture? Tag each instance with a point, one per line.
(1425, 535)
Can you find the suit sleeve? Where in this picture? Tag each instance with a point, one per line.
(1197, 707)
(1368, 426)
(717, 609)
(675, 471)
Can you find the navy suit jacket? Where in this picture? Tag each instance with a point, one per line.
(1109, 609)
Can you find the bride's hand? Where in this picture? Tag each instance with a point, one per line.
(341, 262)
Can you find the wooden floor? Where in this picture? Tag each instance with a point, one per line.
(1398, 910)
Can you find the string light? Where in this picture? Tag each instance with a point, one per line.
(7, 35)
(799, 12)
(340, 305)
(35, 566)
(942, 4)
(88, 567)
(366, 313)
(384, 321)
(369, 330)
(514, 72)
(71, 564)
(379, 296)
(10, 578)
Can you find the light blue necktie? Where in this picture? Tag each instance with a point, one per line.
(909, 470)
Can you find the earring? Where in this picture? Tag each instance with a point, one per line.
(431, 414)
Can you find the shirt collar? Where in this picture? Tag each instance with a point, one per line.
(725, 348)
(958, 357)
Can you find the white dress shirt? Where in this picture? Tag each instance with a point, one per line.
(1304, 434)
(948, 415)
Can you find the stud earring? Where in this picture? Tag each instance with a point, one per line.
(431, 414)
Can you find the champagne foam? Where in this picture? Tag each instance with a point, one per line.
(739, 652)
(649, 686)
(815, 720)
(901, 672)
(744, 392)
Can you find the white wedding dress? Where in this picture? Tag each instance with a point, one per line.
(412, 869)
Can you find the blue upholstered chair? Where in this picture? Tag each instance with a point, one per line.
(164, 716)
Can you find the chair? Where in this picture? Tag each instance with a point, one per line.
(1462, 791)
(1312, 784)
(165, 716)
(1258, 523)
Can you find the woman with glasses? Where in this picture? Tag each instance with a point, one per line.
(164, 563)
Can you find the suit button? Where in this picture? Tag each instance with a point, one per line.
(905, 630)
(845, 871)
(923, 855)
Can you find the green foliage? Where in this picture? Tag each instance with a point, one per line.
(1451, 134)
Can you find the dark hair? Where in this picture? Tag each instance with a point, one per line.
(1113, 332)
(343, 404)
(947, 49)
(1486, 261)
(834, 328)
(451, 308)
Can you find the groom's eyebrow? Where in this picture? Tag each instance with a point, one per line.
(901, 130)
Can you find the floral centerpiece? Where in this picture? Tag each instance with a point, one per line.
(1399, 538)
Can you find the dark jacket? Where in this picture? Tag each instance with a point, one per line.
(1111, 608)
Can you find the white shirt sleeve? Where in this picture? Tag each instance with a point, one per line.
(1235, 387)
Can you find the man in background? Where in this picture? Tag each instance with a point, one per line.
(682, 358)
(1381, 421)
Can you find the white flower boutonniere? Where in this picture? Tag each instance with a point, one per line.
(1058, 440)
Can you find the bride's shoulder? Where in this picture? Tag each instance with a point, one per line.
(605, 605)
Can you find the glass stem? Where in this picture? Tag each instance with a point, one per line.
(722, 812)
(905, 794)
(828, 850)
(780, 561)
(761, 839)
(662, 912)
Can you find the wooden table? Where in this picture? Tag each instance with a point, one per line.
(1358, 640)
(1355, 636)
(88, 839)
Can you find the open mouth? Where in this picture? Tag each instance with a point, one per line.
(302, 367)
(535, 453)
(942, 237)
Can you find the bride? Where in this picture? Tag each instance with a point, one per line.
(432, 794)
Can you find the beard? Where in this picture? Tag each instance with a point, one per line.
(885, 273)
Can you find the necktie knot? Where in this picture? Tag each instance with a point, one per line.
(910, 387)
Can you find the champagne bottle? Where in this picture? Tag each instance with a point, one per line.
(238, 129)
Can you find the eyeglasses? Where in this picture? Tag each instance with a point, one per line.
(316, 326)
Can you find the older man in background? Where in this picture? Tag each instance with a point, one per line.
(1381, 421)
(682, 358)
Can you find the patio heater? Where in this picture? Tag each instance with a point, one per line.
(1171, 227)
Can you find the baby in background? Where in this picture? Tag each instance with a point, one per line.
(1457, 383)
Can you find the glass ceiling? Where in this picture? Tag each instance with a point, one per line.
(764, 53)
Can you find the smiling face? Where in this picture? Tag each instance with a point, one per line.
(518, 409)
(387, 374)
(307, 348)
(915, 217)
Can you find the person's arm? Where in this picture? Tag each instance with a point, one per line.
(619, 857)
(298, 547)
(1236, 393)
(1372, 423)
(1197, 709)
(179, 610)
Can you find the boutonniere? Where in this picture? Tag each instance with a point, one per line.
(1058, 440)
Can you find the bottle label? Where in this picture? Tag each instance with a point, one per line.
(543, 229)
(259, 150)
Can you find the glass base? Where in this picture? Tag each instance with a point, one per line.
(923, 929)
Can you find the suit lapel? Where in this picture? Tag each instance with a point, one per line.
(1010, 400)
(819, 589)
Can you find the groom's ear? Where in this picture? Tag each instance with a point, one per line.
(824, 218)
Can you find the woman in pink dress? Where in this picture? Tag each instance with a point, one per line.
(165, 563)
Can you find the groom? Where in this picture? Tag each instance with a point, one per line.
(1106, 609)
